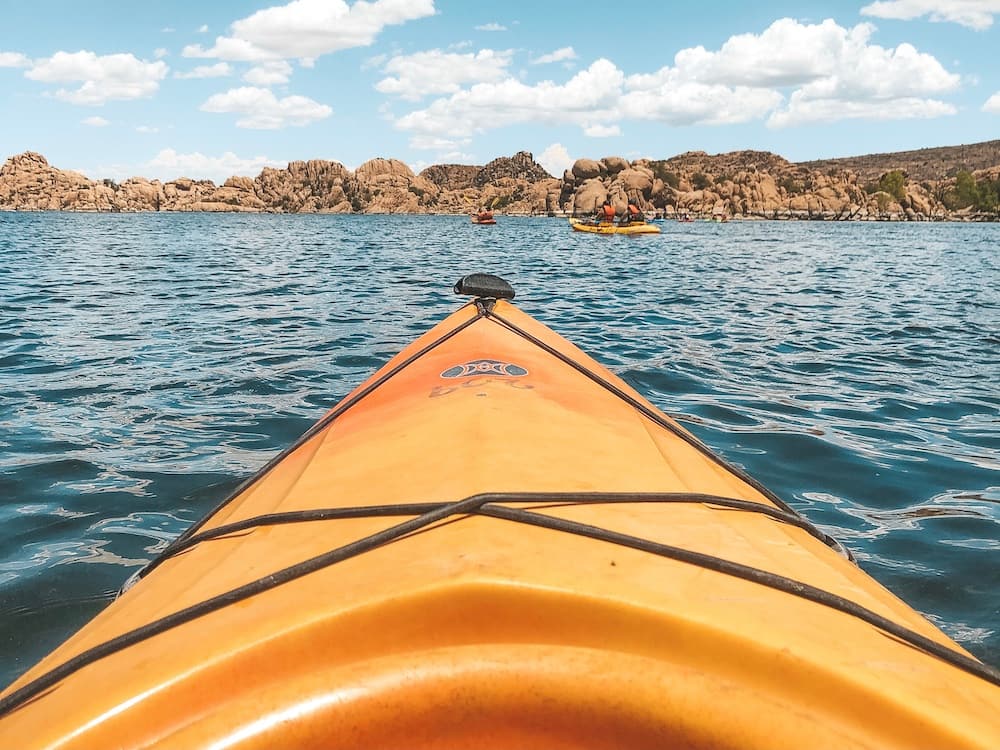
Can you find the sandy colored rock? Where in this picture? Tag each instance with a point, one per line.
(591, 194)
(636, 180)
(240, 183)
(521, 167)
(753, 184)
(614, 164)
(586, 169)
(451, 176)
(384, 173)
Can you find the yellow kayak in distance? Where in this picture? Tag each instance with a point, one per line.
(495, 542)
(580, 225)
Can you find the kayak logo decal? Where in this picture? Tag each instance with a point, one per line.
(478, 367)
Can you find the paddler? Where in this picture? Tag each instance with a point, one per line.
(605, 214)
(632, 215)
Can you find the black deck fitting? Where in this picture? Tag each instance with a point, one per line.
(484, 285)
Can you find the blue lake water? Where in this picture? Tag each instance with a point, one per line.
(149, 362)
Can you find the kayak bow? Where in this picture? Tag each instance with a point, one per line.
(494, 541)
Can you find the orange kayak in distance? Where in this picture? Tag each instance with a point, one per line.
(495, 542)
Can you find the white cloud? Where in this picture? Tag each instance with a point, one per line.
(95, 122)
(976, 14)
(435, 143)
(262, 110)
(555, 159)
(602, 131)
(308, 29)
(670, 98)
(791, 73)
(455, 157)
(787, 53)
(203, 29)
(160, 52)
(490, 27)
(218, 70)
(436, 72)
(486, 106)
(269, 73)
(168, 30)
(103, 78)
(169, 164)
(802, 110)
(235, 50)
(563, 53)
(865, 80)
(147, 129)
(13, 60)
(992, 104)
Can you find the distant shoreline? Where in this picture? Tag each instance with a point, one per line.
(561, 216)
(946, 184)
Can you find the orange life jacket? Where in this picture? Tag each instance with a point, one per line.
(633, 210)
(609, 212)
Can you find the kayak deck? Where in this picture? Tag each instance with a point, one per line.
(496, 541)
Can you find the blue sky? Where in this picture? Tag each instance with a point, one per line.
(165, 88)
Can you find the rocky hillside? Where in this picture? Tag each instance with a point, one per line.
(516, 185)
(922, 164)
(745, 184)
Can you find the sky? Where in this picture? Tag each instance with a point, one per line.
(170, 88)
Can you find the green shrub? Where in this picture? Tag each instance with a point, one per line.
(661, 172)
(893, 183)
(989, 195)
(700, 180)
(963, 194)
(790, 185)
(500, 202)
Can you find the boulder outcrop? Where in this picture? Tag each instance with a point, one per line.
(586, 169)
(451, 176)
(520, 166)
(749, 184)
(754, 184)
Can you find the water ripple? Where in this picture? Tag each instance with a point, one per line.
(148, 363)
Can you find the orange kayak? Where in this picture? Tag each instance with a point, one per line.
(495, 542)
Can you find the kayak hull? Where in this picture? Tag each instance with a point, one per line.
(398, 627)
(609, 228)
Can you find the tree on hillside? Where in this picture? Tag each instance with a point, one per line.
(966, 189)
(964, 193)
(893, 183)
(989, 195)
(700, 180)
(968, 192)
(662, 172)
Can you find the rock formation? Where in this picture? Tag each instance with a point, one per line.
(747, 184)
(520, 167)
(754, 184)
